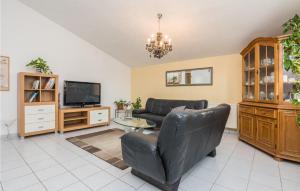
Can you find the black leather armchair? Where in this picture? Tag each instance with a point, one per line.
(157, 109)
(184, 139)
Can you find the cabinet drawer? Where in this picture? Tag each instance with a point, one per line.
(266, 112)
(98, 116)
(39, 109)
(40, 126)
(246, 109)
(43, 117)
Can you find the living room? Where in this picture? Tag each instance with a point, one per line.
(146, 95)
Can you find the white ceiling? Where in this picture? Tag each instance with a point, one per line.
(198, 28)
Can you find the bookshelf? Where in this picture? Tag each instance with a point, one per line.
(37, 97)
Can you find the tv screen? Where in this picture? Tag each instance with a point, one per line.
(81, 93)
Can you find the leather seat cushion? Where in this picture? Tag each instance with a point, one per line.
(155, 118)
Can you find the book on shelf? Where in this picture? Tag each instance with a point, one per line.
(50, 84)
(33, 96)
(35, 84)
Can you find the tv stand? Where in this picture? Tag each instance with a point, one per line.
(80, 118)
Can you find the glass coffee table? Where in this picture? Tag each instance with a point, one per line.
(135, 124)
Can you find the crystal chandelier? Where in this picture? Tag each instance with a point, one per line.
(158, 45)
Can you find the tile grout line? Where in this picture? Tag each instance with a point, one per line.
(252, 165)
(214, 183)
(60, 164)
(119, 178)
(79, 156)
(280, 176)
(28, 167)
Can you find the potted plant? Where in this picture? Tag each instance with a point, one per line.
(40, 65)
(137, 104)
(291, 57)
(120, 104)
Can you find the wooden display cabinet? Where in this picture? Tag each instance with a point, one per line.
(267, 119)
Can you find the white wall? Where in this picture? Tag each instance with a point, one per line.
(27, 35)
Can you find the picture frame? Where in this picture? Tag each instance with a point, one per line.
(4, 73)
(190, 77)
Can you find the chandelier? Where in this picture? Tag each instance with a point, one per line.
(158, 45)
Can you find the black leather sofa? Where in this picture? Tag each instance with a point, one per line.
(184, 139)
(157, 109)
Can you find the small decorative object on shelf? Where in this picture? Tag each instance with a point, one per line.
(50, 84)
(35, 84)
(40, 65)
(128, 110)
(33, 97)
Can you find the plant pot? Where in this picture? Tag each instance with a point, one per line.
(120, 107)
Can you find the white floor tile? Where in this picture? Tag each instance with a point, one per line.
(35, 187)
(290, 173)
(76, 163)
(235, 183)
(132, 180)
(20, 183)
(116, 171)
(254, 186)
(267, 180)
(36, 166)
(205, 174)
(76, 187)
(289, 185)
(50, 172)
(98, 180)
(14, 173)
(117, 185)
(60, 181)
(219, 188)
(195, 184)
(85, 171)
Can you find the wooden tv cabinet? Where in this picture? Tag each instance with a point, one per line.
(80, 118)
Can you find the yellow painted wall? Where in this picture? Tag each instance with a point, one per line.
(149, 81)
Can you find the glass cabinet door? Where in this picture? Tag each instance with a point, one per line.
(266, 76)
(249, 75)
(289, 80)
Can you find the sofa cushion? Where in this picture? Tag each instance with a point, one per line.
(155, 118)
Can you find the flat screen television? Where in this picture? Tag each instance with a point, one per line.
(81, 93)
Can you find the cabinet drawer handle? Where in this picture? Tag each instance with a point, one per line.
(40, 109)
(99, 113)
(41, 127)
(99, 119)
(41, 118)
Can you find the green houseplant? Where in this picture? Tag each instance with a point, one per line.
(40, 65)
(120, 104)
(291, 57)
(137, 104)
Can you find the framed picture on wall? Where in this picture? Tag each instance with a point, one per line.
(190, 77)
(4, 73)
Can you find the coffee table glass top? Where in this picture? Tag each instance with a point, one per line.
(135, 122)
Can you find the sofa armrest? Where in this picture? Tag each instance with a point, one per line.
(138, 111)
(140, 152)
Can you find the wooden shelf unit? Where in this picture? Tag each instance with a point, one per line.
(45, 104)
(80, 118)
(266, 118)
